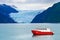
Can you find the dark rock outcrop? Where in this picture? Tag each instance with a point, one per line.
(5, 10)
(51, 15)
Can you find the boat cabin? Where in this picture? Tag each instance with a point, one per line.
(43, 29)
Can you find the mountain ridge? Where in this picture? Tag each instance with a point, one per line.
(5, 10)
(51, 15)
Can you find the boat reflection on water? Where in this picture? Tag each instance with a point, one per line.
(43, 37)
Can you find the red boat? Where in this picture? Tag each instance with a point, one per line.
(42, 31)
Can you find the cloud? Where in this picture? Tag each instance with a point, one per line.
(32, 6)
(19, 1)
(12, 1)
(42, 1)
(29, 1)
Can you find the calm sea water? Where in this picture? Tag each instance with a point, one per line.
(23, 31)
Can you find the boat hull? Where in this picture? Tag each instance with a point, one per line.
(35, 32)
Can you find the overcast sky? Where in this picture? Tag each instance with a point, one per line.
(31, 4)
(30, 1)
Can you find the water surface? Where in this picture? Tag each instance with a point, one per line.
(23, 31)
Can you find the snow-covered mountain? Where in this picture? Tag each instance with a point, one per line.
(25, 16)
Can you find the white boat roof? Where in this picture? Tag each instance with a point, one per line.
(42, 28)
